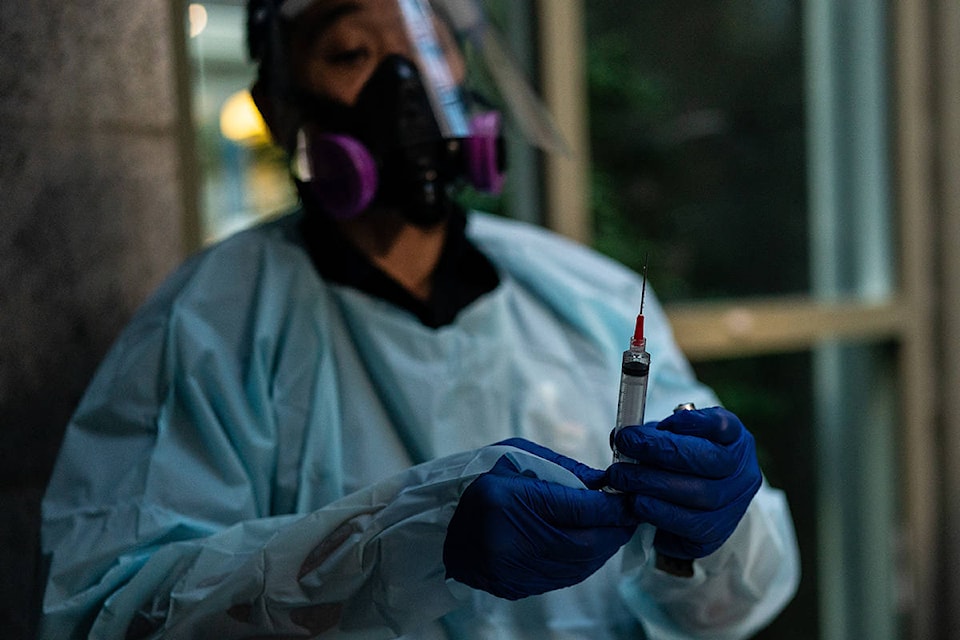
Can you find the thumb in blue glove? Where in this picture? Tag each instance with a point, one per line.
(515, 535)
(695, 476)
(590, 477)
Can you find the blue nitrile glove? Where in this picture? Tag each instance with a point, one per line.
(695, 475)
(515, 535)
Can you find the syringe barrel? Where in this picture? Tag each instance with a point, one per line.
(634, 375)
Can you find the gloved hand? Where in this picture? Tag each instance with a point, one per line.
(515, 535)
(695, 475)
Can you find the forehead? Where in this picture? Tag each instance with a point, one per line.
(317, 17)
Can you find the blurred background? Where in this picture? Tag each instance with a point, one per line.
(792, 169)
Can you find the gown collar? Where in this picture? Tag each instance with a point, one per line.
(463, 273)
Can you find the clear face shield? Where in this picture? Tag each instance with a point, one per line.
(405, 98)
(459, 54)
(493, 74)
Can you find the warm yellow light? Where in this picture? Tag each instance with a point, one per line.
(197, 14)
(241, 122)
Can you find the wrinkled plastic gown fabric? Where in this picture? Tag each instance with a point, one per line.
(243, 464)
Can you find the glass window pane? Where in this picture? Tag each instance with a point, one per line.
(698, 143)
(244, 178)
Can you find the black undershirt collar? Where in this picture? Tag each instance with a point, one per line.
(462, 274)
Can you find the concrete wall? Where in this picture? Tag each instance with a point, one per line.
(92, 214)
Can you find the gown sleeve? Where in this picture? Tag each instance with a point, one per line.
(368, 564)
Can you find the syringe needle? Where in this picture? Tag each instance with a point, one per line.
(638, 340)
(643, 287)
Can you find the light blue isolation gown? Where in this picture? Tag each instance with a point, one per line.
(265, 454)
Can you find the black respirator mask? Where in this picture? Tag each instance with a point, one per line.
(388, 150)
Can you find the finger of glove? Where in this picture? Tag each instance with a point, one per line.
(592, 478)
(529, 565)
(567, 507)
(694, 529)
(683, 453)
(694, 492)
(713, 423)
(505, 487)
(569, 525)
(505, 538)
(691, 531)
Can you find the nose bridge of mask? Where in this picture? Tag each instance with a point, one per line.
(393, 109)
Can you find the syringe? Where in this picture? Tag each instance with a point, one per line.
(634, 375)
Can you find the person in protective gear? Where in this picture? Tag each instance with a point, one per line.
(292, 437)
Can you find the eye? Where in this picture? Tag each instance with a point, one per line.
(346, 57)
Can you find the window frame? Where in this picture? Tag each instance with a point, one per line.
(922, 316)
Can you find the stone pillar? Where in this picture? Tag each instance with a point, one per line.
(95, 203)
